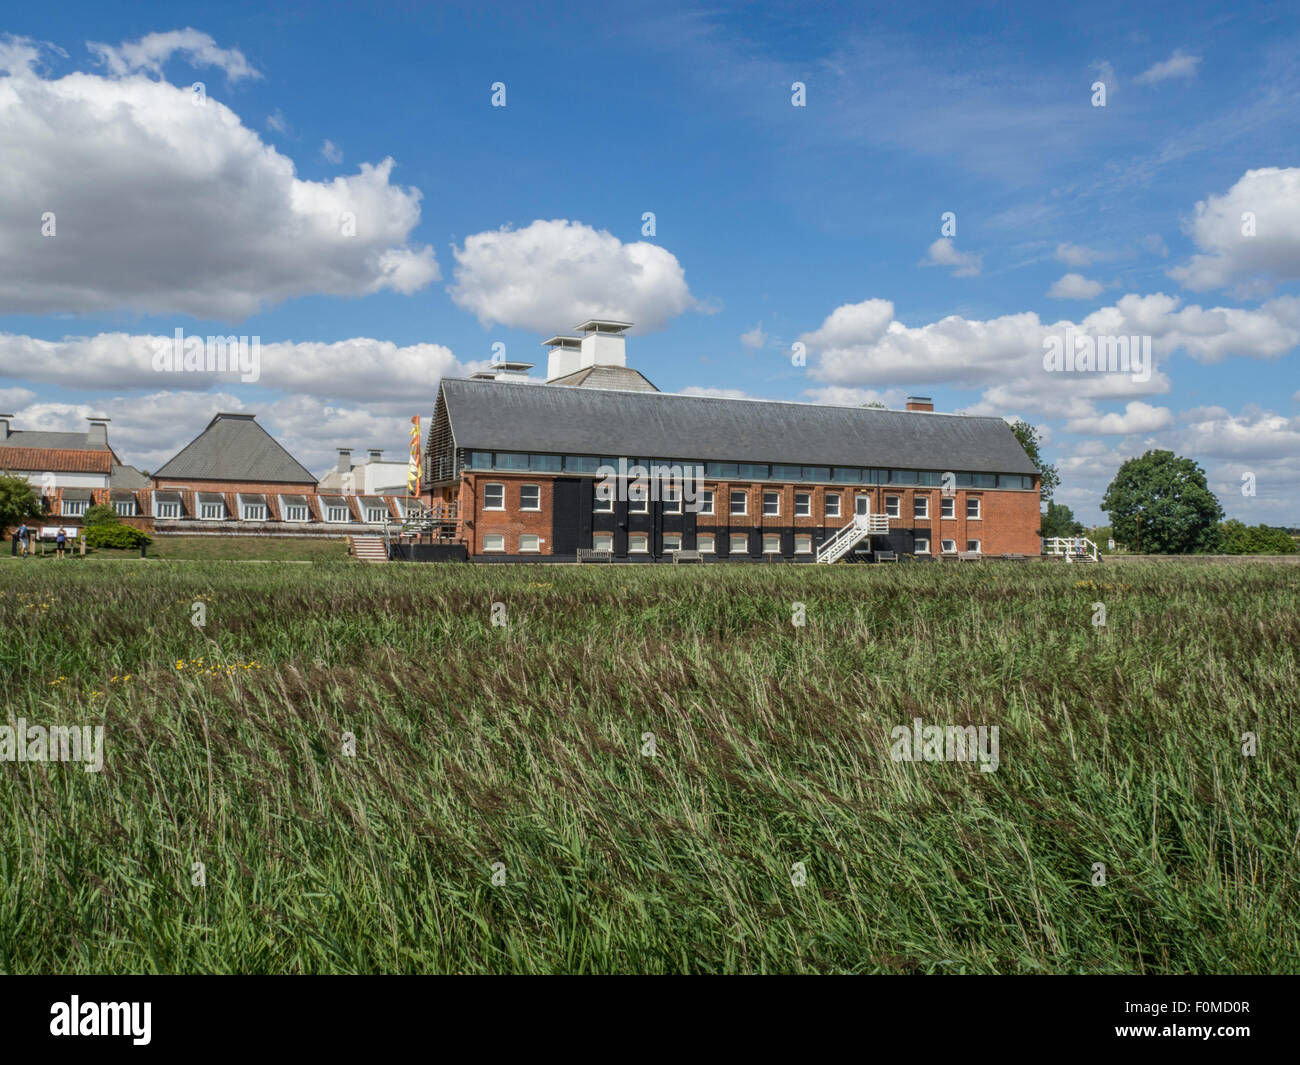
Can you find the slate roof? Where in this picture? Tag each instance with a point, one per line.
(498, 416)
(235, 448)
(63, 441)
(55, 459)
(619, 377)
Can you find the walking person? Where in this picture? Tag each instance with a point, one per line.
(60, 542)
(23, 535)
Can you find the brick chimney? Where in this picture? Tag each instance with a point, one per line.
(345, 460)
(921, 403)
(5, 419)
(97, 435)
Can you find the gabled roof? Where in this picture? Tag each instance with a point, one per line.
(55, 459)
(619, 377)
(235, 448)
(498, 416)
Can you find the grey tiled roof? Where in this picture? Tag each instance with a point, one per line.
(59, 441)
(235, 448)
(619, 377)
(127, 477)
(497, 416)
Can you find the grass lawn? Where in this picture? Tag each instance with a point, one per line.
(652, 769)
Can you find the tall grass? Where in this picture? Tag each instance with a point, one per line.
(516, 751)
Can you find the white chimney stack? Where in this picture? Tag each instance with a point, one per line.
(600, 343)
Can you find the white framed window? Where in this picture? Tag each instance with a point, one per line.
(771, 543)
(973, 507)
(602, 541)
(530, 497)
(376, 515)
(949, 546)
(947, 507)
(604, 503)
(336, 514)
(253, 512)
(704, 543)
(73, 508)
(296, 512)
(672, 542)
(920, 506)
(529, 543)
(894, 506)
(832, 504)
(494, 542)
(771, 504)
(169, 510)
(212, 511)
(973, 545)
(739, 543)
(494, 497)
(125, 508)
(705, 501)
(672, 500)
(638, 498)
(921, 547)
(638, 543)
(803, 545)
(739, 502)
(803, 504)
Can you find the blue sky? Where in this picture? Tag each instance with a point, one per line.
(774, 224)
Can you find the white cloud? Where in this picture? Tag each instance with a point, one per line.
(1138, 417)
(840, 396)
(1075, 287)
(551, 275)
(155, 49)
(161, 206)
(755, 338)
(331, 153)
(361, 369)
(943, 252)
(1155, 244)
(863, 345)
(716, 393)
(276, 122)
(1078, 255)
(1178, 65)
(1271, 196)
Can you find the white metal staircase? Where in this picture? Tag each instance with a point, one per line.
(835, 547)
(1071, 548)
(369, 548)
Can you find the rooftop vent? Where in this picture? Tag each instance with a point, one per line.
(600, 343)
(504, 371)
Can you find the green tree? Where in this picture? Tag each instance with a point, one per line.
(1032, 441)
(1059, 521)
(1241, 539)
(1161, 504)
(101, 514)
(18, 501)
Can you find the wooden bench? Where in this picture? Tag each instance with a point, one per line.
(968, 556)
(592, 554)
(687, 556)
(886, 556)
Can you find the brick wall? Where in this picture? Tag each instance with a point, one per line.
(1008, 522)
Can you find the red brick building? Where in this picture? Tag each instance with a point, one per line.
(525, 466)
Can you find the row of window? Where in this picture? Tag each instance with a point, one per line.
(75, 508)
(494, 498)
(522, 462)
(639, 544)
